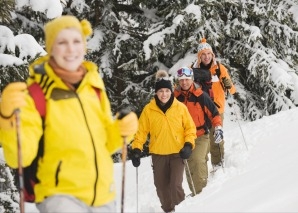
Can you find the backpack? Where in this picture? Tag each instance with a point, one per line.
(29, 172)
(204, 78)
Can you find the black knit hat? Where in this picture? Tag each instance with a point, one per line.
(162, 80)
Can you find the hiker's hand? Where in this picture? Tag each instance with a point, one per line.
(128, 122)
(218, 134)
(236, 96)
(136, 157)
(227, 83)
(185, 152)
(13, 97)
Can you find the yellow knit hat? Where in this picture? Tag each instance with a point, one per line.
(53, 27)
(204, 47)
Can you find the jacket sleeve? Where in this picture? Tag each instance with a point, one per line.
(212, 111)
(30, 132)
(114, 141)
(143, 130)
(189, 127)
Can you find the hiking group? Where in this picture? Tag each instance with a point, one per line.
(62, 120)
(180, 139)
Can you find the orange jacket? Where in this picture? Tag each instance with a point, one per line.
(218, 87)
(194, 99)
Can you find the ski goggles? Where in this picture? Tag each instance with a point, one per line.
(185, 71)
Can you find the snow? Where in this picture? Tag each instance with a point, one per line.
(294, 11)
(260, 157)
(26, 44)
(52, 8)
(8, 60)
(259, 174)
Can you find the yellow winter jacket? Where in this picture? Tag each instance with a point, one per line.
(168, 131)
(79, 137)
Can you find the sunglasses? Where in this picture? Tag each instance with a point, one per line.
(185, 71)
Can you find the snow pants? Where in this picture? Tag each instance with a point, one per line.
(168, 177)
(217, 151)
(197, 164)
(70, 204)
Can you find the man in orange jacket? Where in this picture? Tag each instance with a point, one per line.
(220, 84)
(203, 112)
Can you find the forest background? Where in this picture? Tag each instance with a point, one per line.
(256, 40)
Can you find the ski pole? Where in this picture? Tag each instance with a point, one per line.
(188, 170)
(137, 177)
(239, 125)
(20, 166)
(124, 154)
(221, 157)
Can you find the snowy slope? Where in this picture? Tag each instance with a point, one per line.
(262, 178)
(260, 172)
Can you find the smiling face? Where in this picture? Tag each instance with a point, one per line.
(206, 57)
(68, 49)
(185, 84)
(164, 95)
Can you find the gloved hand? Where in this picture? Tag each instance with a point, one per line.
(13, 97)
(128, 122)
(218, 134)
(185, 152)
(136, 157)
(227, 83)
(236, 96)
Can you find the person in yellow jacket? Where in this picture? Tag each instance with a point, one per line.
(206, 60)
(80, 134)
(172, 135)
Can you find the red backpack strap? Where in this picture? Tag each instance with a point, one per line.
(97, 90)
(39, 98)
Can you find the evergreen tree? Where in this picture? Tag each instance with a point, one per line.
(9, 194)
(256, 40)
(6, 7)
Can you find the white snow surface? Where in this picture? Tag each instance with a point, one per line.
(259, 173)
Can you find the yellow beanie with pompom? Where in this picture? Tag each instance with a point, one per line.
(52, 28)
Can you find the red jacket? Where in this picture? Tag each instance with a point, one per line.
(195, 100)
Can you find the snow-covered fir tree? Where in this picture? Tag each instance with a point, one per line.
(256, 40)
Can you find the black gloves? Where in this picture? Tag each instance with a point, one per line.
(185, 152)
(135, 157)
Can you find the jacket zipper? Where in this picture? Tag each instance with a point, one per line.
(95, 156)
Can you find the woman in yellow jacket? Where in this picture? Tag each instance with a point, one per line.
(76, 170)
(172, 134)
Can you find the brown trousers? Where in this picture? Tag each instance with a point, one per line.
(197, 164)
(217, 151)
(168, 176)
